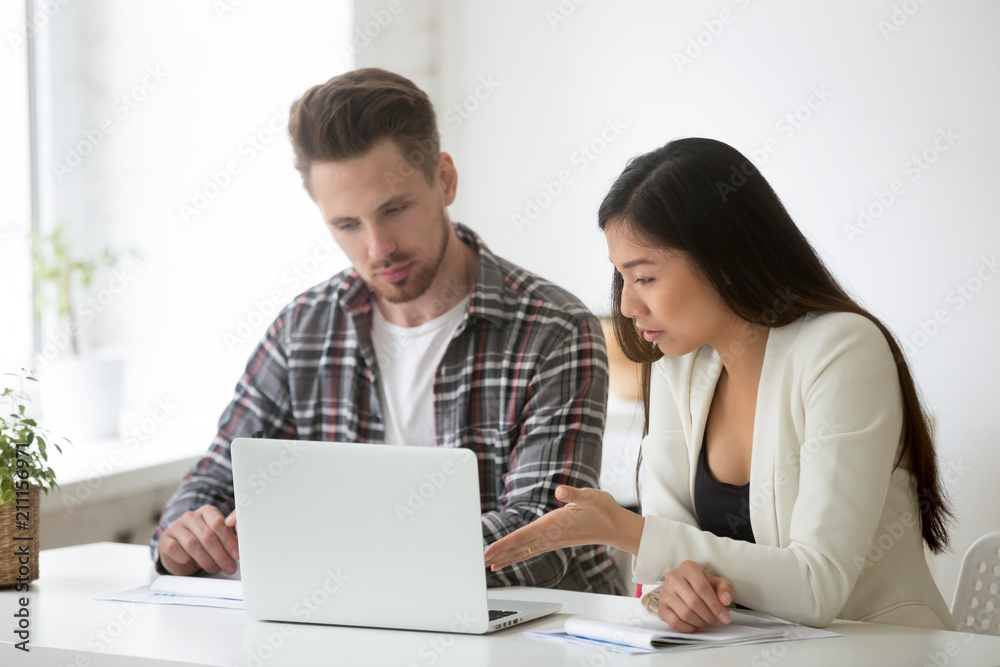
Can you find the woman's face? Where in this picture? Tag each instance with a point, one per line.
(671, 301)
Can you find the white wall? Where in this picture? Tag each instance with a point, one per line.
(169, 96)
(885, 98)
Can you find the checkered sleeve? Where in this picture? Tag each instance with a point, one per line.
(559, 443)
(261, 403)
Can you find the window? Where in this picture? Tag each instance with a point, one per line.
(163, 135)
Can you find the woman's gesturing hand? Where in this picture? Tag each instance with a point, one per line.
(692, 598)
(590, 516)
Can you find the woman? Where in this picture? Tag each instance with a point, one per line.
(788, 463)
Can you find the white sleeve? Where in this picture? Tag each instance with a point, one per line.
(850, 381)
(666, 472)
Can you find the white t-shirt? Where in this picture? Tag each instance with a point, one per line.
(408, 358)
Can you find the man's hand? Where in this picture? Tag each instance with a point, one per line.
(692, 598)
(590, 516)
(200, 539)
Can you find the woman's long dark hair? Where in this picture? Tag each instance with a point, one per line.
(706, 199)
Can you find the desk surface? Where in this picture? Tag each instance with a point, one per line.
(69, 627)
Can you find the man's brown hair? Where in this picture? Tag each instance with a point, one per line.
(344, 118)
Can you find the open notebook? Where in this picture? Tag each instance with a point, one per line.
(649, 636)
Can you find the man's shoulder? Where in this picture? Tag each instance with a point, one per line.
(312, 309)
(524, 291)
(539, 321)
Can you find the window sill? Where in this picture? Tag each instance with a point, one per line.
(112, 468)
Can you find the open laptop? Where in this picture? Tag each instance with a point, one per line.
(367, 535)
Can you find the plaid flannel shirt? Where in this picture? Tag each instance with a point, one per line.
(523, 384)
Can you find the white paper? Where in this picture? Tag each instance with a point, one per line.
(202, 587)
(186, 591)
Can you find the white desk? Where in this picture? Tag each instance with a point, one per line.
(69, 627)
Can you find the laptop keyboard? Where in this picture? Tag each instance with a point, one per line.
(497, 614)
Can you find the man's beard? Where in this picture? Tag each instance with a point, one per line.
(420, 278)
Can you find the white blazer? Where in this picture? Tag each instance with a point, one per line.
(837, 531)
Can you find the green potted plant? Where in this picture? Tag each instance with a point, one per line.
(81, 392)
(24, 472)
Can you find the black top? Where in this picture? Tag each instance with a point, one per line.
(723, 509)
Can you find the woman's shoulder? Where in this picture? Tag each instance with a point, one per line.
(835, 329)
(837, 321)
(818, 340)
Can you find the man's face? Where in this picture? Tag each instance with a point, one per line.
(389, 221)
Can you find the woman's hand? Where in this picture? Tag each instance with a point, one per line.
(692, 598)
(590, 516)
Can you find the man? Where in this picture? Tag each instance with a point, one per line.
(429, 339)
